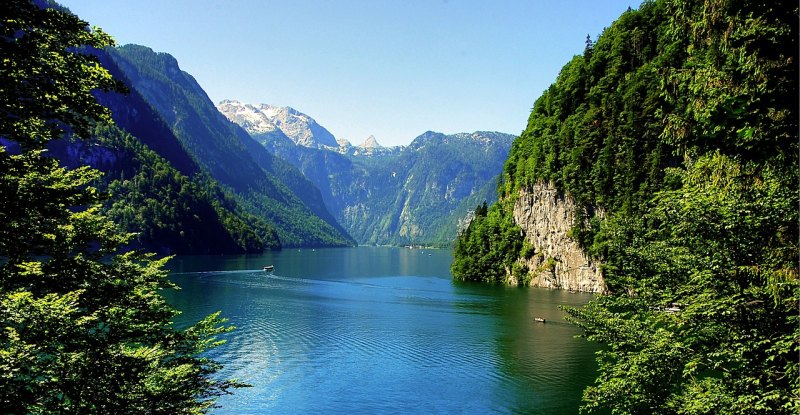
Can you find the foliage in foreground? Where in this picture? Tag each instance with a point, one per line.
(83, 328)
(704, 319)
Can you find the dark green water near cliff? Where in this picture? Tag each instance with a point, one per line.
(383, 330)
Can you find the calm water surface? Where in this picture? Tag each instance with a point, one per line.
(383, 330)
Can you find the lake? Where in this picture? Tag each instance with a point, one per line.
(383, 330)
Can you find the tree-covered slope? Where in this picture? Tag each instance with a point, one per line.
(422, 187)
(169, 212)
(680, 125)
(266, 187)
(158, 191)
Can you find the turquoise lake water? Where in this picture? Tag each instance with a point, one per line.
(383, 330)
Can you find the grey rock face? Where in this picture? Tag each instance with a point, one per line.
(559, 262)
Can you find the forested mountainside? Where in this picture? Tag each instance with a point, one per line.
(261, 184)
(675, 137)
(416, 195)
(398, 195)
(169, 212)
(159, 191)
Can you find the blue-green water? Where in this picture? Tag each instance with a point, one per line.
(383, 330)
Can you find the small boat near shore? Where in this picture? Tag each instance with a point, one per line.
(539, 319)
(269, 268)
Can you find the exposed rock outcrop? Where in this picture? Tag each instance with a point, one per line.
(558, 261)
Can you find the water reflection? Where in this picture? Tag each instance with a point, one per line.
(384, 330)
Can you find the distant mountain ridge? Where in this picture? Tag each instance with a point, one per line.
(413, 194)
(285, 127)
(161, 193)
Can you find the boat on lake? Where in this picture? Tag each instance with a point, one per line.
(539, 319)
(269, 268)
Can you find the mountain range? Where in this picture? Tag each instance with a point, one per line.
(189, 177)
(402, 195)
(170, 114)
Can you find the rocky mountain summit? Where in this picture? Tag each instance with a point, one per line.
(278, 122)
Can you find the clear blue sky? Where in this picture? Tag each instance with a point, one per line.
(390, 68)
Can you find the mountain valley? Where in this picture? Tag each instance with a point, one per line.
(405, 195)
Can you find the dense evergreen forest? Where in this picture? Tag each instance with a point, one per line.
(84, 327)
(680, 124)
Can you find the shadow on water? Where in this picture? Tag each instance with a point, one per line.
(365, 330)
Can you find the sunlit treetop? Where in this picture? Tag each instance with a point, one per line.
(48, 73)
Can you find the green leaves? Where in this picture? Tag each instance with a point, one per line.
(487, 250)
(711, 248)
(48, 74)
(83, 328)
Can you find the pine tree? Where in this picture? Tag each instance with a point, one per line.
(587, 50)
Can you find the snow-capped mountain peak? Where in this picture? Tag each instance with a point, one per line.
(247, 116)
(300, 128)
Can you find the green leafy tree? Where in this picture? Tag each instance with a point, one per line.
(487, 249)
(82, 326)
(704, 315)
(703, 318)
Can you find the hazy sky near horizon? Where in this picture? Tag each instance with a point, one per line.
(389, 68)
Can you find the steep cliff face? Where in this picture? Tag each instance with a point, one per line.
(558, 260)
